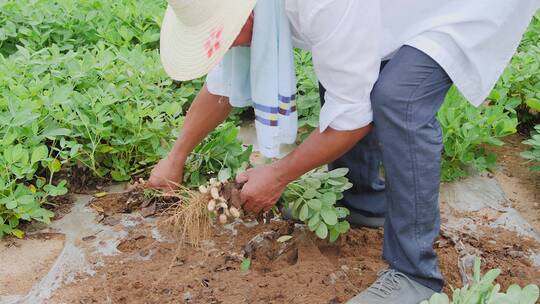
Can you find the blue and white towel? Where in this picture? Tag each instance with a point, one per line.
(263, 76)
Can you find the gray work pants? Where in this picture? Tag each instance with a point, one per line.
(407, 140)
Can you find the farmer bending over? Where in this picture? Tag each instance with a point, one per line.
(384, 68)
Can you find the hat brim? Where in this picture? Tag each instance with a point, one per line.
(184, 50)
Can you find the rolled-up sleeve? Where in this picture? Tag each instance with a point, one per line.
(345, 39)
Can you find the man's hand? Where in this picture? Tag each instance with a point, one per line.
(167, 174)
(262, 189)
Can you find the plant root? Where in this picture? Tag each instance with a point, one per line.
(187, 219)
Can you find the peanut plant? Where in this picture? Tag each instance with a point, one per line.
(483, 291)
(221, 154)
(37, 24)
(533, 154)
(312, 199)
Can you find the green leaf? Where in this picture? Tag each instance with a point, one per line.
(39, 154)
(343, 226)
(529, 294)
(329, 216)
(491, 275)
(17, 233)
(334, 234)
(315, 204)
(314, 222)
(322, 231)
(329, 198)
(13, 222)
(342, 212)
(347, 186)
(476, 269)
(54, 165)
(224, 174)
(514, 291)
(310, 193)
(313, 182)
(119, 176)
(533, 103)
(11, 204)
(26, 200)
(334, 182)
(246, 264)
(439, 298)
(340, 172)
(53, 133)
(304, 212)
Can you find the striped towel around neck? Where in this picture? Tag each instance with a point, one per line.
(263, 76)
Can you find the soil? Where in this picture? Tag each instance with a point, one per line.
(521, 186)
(38, 253)
(299, 271)
(507, 251)
(60, 205)
(82, 180)
(302, 270)
(153, 269)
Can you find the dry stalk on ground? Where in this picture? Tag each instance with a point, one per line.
(187, 219)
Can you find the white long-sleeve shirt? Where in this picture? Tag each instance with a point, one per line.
(473, 40)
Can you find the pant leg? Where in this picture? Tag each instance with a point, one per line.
(364, 162)
(405, 100)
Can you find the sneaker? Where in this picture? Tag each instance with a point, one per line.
(393, 287)
(358, 220)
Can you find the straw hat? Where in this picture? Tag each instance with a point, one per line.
(196, 34)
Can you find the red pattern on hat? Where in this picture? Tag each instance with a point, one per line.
(213, 43)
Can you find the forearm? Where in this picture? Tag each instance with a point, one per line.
(205, 113)
(317, 150)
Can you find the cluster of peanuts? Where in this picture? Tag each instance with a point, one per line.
(223, 201)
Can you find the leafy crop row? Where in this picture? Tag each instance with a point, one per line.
(520, 82)
(81, 85)
(110, 109)
(36, 24)
(466, 129)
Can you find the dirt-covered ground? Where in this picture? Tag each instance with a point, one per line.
(521, 186)
(109, 250)
(301, 270)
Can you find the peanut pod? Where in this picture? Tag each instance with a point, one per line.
(223, 219)
(214, 192)
(212, 205)
(203, 189)
(234, 212)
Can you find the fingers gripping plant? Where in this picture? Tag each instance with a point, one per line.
(312, 199)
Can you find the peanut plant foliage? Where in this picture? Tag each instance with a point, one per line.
(483, 290)
(312, 199)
